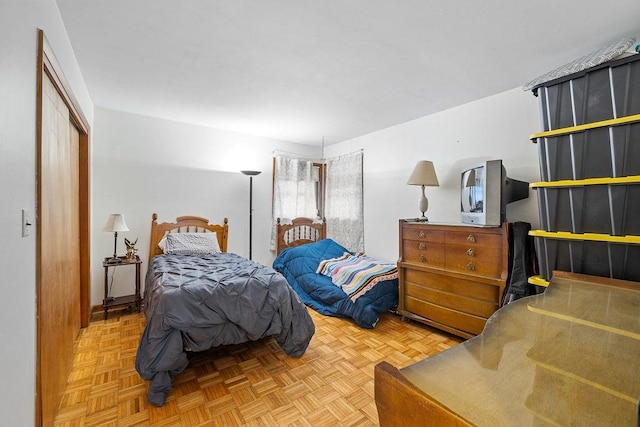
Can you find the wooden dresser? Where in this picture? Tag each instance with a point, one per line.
(452, 276)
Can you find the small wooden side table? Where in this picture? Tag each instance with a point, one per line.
(110, 302)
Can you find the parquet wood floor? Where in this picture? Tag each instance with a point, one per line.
(254, 384)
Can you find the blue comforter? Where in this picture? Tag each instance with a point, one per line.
(299, 265)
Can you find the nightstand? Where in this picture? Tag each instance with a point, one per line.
(126, 300)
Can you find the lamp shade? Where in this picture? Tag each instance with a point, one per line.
(424, 174)
(115, 223)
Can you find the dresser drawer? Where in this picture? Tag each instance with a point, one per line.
(423, 253)
(474, 237)
(446, 316)
(445, 283)
(473, 259)
(449, 300)
(422, 234)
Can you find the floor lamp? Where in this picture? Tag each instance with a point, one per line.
(251, 174)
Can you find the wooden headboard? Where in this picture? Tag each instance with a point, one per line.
(185, 224)
(299, 232)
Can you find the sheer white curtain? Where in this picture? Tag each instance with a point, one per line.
(344, 201)
(294, 191)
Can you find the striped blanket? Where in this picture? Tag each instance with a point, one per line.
(356, 274)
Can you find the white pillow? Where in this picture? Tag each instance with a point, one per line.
(162, 244)
(190, 243)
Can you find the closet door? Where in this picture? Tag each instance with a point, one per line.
(59, 232)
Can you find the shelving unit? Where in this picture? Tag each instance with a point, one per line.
(589, 154)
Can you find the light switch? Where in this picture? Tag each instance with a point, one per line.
(26, 223)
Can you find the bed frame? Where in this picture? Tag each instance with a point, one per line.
(299, 232)
(185, 224)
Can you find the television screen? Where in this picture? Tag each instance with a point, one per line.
(473, 190)
(481, 194)
(485, 191)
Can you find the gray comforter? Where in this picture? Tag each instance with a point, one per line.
(193, 303)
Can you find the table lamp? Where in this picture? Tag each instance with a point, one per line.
(114, 224)
(424, 174)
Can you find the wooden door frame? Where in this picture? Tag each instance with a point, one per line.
(48, 67)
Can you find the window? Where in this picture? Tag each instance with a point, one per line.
(331, 190)
(298, 190)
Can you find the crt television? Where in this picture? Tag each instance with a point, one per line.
(485, 191)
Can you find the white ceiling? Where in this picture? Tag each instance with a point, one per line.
(308, 70)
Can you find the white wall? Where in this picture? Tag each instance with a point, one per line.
(497, 127)
(143, 165)
(19, 22)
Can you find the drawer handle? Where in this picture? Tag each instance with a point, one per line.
(423, 258)
(422, 246)
(471, 238)
(471, 267)
(421, 234)
(471, 252)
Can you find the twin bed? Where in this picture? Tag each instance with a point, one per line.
(199, 296)
(332, 280)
